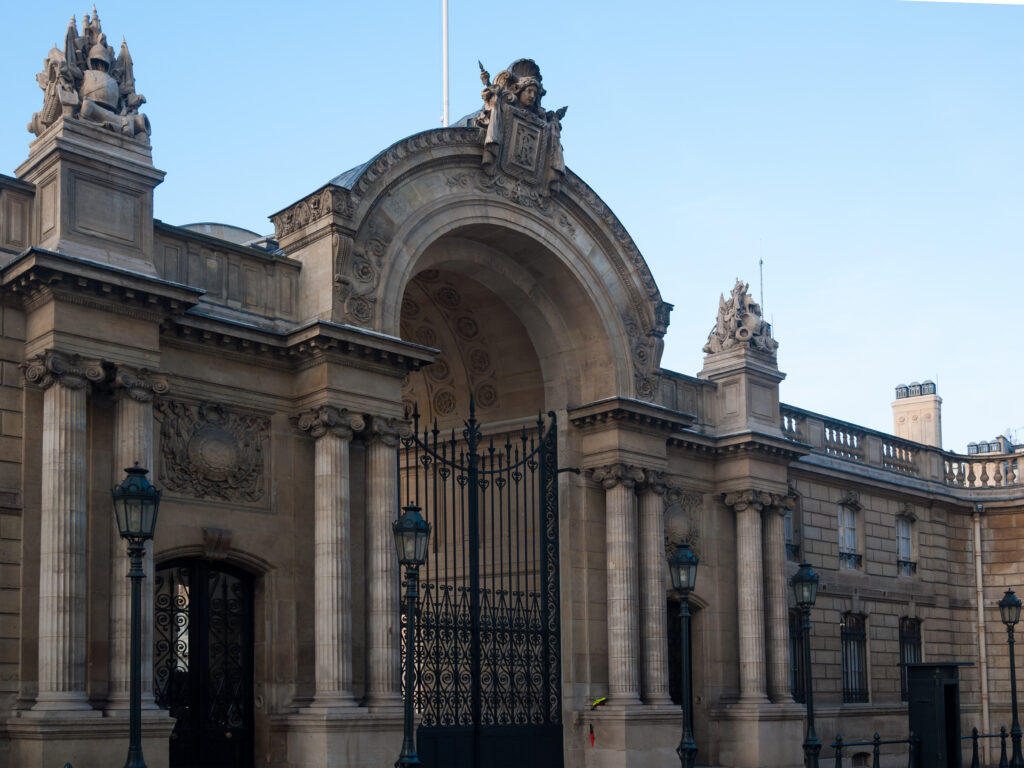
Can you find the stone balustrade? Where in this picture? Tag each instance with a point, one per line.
(841, 440)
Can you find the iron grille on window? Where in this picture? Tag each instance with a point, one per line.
(796, 657)
(910, 650)
(792, 548)
(849, 559)
(855, 663)
(905, 565)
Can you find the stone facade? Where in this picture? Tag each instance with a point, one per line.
(267, 387)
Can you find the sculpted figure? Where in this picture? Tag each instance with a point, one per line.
(85, 81)
(512, 112)
(740, 323)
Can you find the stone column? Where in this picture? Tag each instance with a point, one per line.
(777, 606)
(63, 576)
(332, 562)
(384, 647)
(750, 592)
(653, 597)
(623, 609)
(133, 442)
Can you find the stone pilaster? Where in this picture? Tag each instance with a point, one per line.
(623, 614)
(63, 581)
(653, 621)
(133, 442)
(775, 598)
(750, 592)
(384, 648)
(332, 428)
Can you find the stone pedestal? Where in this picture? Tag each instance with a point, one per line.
(133, 442)
(640, 737)
(384, 650)
(623, 606)
(85, 742)
(758, 736)
(356, 739)
(332, 428)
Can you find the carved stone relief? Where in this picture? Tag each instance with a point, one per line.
(740, 324)
(85, 81)
(684, 518)
(210, 452)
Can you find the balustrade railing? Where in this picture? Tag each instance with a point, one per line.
(850, 442)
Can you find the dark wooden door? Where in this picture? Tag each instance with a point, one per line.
(202, 662)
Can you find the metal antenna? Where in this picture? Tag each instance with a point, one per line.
(444, 58)
(760, 268)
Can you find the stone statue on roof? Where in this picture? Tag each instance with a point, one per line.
(740, 324)
(86, 81)
(521, 139)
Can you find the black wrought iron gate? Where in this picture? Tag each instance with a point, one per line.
(487, 628)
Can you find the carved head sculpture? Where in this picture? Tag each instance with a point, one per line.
(526, 82)
(99, 57)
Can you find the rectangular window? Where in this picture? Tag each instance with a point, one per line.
(910, 650)
(796, 656)
(905, 565)
(853, 639)
(848, 557)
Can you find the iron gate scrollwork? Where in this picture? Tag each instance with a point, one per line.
(487, 627)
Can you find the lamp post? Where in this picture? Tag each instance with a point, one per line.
(412, 533)
(1009, 612)
(682, 566)
(136, 503)
(805, 589)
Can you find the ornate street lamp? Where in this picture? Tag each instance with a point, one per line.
(682, 566)
(805, 589)
(1009, 612)
(136, 504)
(412, 533)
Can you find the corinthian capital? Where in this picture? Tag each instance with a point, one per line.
(327, 419)
(388, 431)
(780, 503)
(740, 501)
(139, 384)
(625, 475)
(71, 371)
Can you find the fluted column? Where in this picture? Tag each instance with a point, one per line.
(775, 598)
(750, 592)
(133, 442)
(653, 604)
(332, 562)
(384, 648)
(63, 577)
(623, 606)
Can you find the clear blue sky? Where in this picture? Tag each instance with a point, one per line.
(874, 147)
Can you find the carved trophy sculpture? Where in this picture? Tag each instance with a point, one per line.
(521, 140)
(86, 82)
(740, 324)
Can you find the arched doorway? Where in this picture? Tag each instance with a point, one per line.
(203, 661)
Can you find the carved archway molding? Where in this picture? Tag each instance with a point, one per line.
(382, 217)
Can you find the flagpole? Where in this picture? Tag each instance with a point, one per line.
(444, 56)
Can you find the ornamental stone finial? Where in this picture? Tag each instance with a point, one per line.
(521, 140)
(740, 324)
(86, 82)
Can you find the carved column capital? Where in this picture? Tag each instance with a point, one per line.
(388, 431)
(72, 371)
(743, 500)
(654, 482)
(326, 419)
(625, 475)
(780, 503)
(139, 384)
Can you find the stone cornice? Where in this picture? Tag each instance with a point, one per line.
(315, 343)
(742, 444)
(38, 276)
(626, 410)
